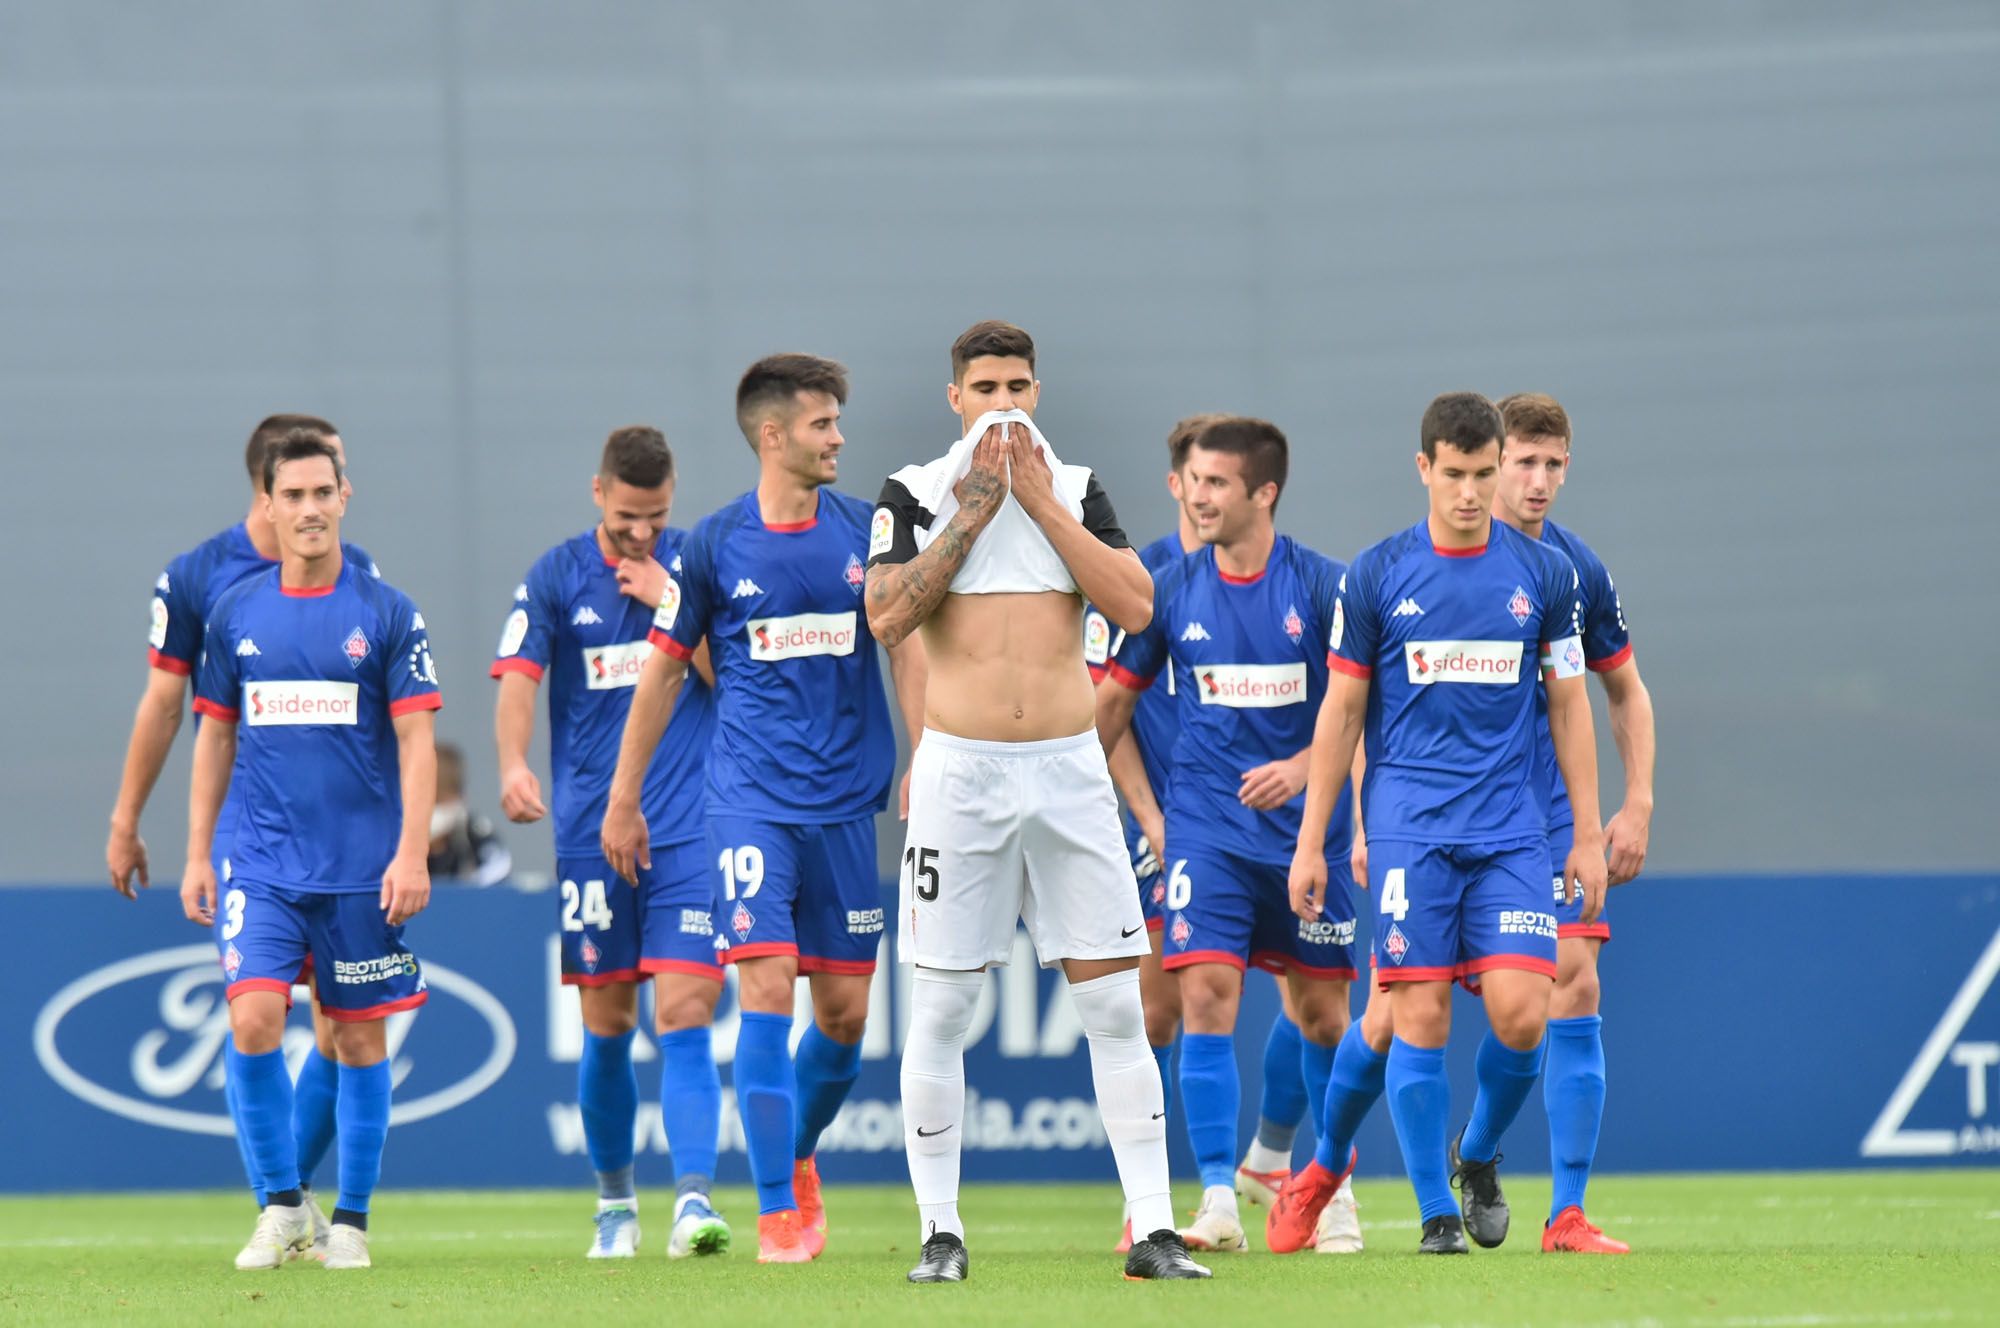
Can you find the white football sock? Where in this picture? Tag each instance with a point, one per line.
(1265, 1158)
(1129, 1094)
(941, 1006)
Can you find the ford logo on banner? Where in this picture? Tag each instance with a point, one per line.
(144, 1037)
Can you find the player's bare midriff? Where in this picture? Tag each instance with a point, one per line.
(1008, 668)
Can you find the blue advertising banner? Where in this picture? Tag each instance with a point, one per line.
(1754, 1022)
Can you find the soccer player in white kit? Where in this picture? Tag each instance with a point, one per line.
(991, 550)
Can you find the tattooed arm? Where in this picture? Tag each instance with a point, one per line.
(902, 596)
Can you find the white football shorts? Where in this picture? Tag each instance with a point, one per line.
(1001, 831)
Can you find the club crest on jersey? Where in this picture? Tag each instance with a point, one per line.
(355, 647)
(1395, 944)
(1182, 931)
(741, 921)
(1295, 626)
(855, 574)
(1521, 606)
(589, 954)
(232, 961)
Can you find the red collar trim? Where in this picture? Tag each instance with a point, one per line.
(1443, 552)
(307, 592)
(1229, 580)
(791, 527)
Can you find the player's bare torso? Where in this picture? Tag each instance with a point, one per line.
(1008, 667)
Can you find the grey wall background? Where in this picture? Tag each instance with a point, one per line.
(1752, 248)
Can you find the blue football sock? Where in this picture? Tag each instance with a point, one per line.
(1316, 1067)
(1282, 1103)
(690, 1106)
(313, 1098)
(764, 1088)
(361, 1118)
(608, 1092)
(1573, 1092)
(255, 1177)
(1164, 1056)
(825, 1071)
(1212, 1095)
(1420, 1104)
(1351, 1090)
(264, 1113)
(1506, 1077)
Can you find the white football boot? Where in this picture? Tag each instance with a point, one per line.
(278, 1234)
(1216, 1225)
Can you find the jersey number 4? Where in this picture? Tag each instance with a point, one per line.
(1395, 897)
(586, 907)
(921, 864)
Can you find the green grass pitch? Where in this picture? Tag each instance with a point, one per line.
(1739, 1251)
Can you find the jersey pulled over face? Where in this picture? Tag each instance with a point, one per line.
(313, 680)
(1450, 641)
(572, 628)
(1606, 645)
(1249, 673)
(802, 720)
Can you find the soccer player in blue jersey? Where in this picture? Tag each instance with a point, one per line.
(183, 596)
(1240, 625)
(581, 619)
(327, 673)
(990, 551)
(801, 763)
(1436, 636)
(1534, 462)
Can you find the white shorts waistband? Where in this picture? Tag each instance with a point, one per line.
(986, 747)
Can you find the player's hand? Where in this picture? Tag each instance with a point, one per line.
(1032, 482)
(521, 795)
(1308, 882)
(984, 486)
(623, 840)
(1625, 839)
(125, 855)
(903, 799)
(1153, 828)
(198, 892)
(643, 579)
(1584, 873)
(1357, 858)
(1270, 786)
(406, 887)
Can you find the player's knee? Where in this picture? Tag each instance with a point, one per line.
(765, 985)
(1577, 993)
(258, 1026)
(1325, 1024)
(361, 1043)
(610, 1012)
(842, 1025)
(1520, 1028)
(1378, 1029)
(1162, 1023)
(677, 1011)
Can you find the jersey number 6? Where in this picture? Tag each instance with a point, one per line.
(921, 863)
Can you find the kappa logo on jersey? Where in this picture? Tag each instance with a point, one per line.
(881, 532)
(855, 574)
(801, 634)
(742, 920)
(417, 623)
(521, 593)
(1182, 930)
(158, 635)
(584, 617)
(1395, 944)
(515, 632)
(247, 647)
(164, 585)
(1339, 620)
(1496, 663)
(301, 702)
(1295, 626)
(1407, 609)
(1097, 639)
(355, 647)
(1520, 606)
(608, 667)
(745, 588)
(1253, 686)
(1194, 631)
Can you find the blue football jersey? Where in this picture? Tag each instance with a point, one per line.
(1450, 640)
(571, 622)
(1249, 674)
(1606, 645)
(1156, 723)
(186, 594)
(802, 731)
(313, 679)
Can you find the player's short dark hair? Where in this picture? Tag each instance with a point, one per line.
(1260, 444)
(990, 336)
(1528, 415)
(1183, 435)
(297, 445)
(774, 382)
(269, 430)
(637, 455)
(1462, 421)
